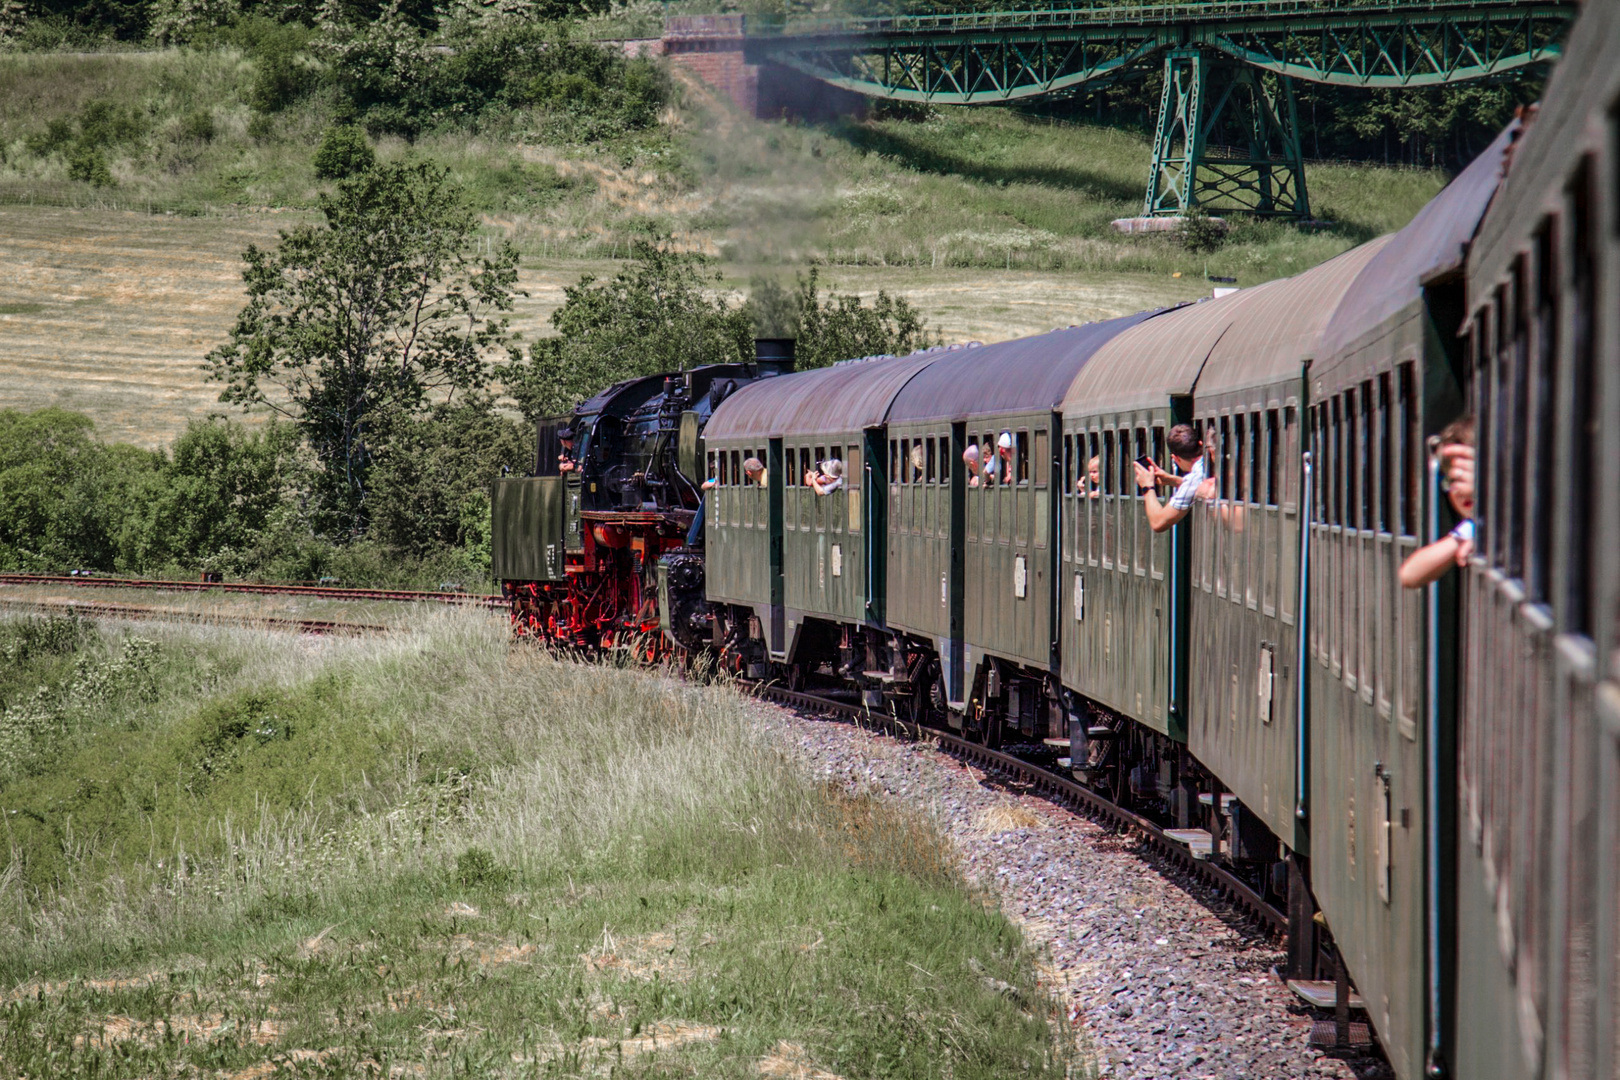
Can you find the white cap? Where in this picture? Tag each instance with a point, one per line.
(1005, 442)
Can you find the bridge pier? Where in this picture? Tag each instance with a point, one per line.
(1226, 140)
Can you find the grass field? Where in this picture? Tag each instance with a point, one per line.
(423, 854)
(111, 312)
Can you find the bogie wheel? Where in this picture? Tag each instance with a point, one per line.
(794, 676)
(928, 694)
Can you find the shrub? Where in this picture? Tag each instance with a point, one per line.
(1200, 233)
(89, 164)
(107, 123)
(344, 152)
(476, 868)
(198, 126)
(57, 137)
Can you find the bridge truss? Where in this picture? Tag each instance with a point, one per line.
(1228, 134)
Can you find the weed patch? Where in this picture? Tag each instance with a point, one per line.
(572, 869)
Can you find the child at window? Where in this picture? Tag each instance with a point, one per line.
(1429, 564)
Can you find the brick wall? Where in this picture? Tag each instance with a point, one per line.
(719, 62)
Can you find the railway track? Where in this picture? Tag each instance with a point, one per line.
(323, 592)
(95, 610)
(1060, 789)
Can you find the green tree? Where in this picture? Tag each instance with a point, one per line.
(433, 479)
(343, 152)
(355, 326)
(840, 327)
(214, 496)
(65, 496)
(660, 312)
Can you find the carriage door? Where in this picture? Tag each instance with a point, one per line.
(955, 692)
(875, 519)
(774, 474)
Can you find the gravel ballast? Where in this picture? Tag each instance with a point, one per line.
(1157, 983)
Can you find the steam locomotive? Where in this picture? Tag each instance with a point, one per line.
(1429, 781)
(583, 544)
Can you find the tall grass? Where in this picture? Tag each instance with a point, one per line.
(432, 851)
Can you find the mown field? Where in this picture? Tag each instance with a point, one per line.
(229, 853)
(110, 313)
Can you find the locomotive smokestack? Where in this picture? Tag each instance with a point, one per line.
(774, 355)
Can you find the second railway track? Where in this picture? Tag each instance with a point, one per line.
(96, 610)
(321, 592)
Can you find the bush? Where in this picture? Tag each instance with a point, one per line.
(476, 868)
(56, 138)
(344, 152)
(198, 126)
(107, 124)
(89, 164)
(1200, 233)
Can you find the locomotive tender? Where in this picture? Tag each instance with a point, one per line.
(1433, 775)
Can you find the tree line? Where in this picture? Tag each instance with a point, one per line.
(376, 342)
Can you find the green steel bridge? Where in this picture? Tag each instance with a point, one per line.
(1228, 135)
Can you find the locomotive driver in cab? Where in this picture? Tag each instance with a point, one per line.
(565, 459)
(1187, 450)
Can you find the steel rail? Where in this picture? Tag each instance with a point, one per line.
(325, 592)
(1060, 790)
(94, 610)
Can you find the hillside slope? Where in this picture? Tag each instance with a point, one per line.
(993, 223)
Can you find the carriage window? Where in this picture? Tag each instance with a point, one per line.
(1270, 480)
(1579, 584)
(1108, 467)
(932, 461)
(894, 461)
(1241, 445)
(852, 466)
(1021, 446)
(945, 458)
(1225, 451)
(1369, 456)
(1409, 450)
(1336, 452)
(1353, 478)
(1042, 456)
(1383, 427)
(1519, 360)
(1546, 447)
(1158, 445)
(736, 467)
(906, 469)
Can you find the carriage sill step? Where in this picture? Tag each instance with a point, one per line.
(1199, 840)
(1100, 732)
(1056, 742)
(1318, 993)
(1326, 1033)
